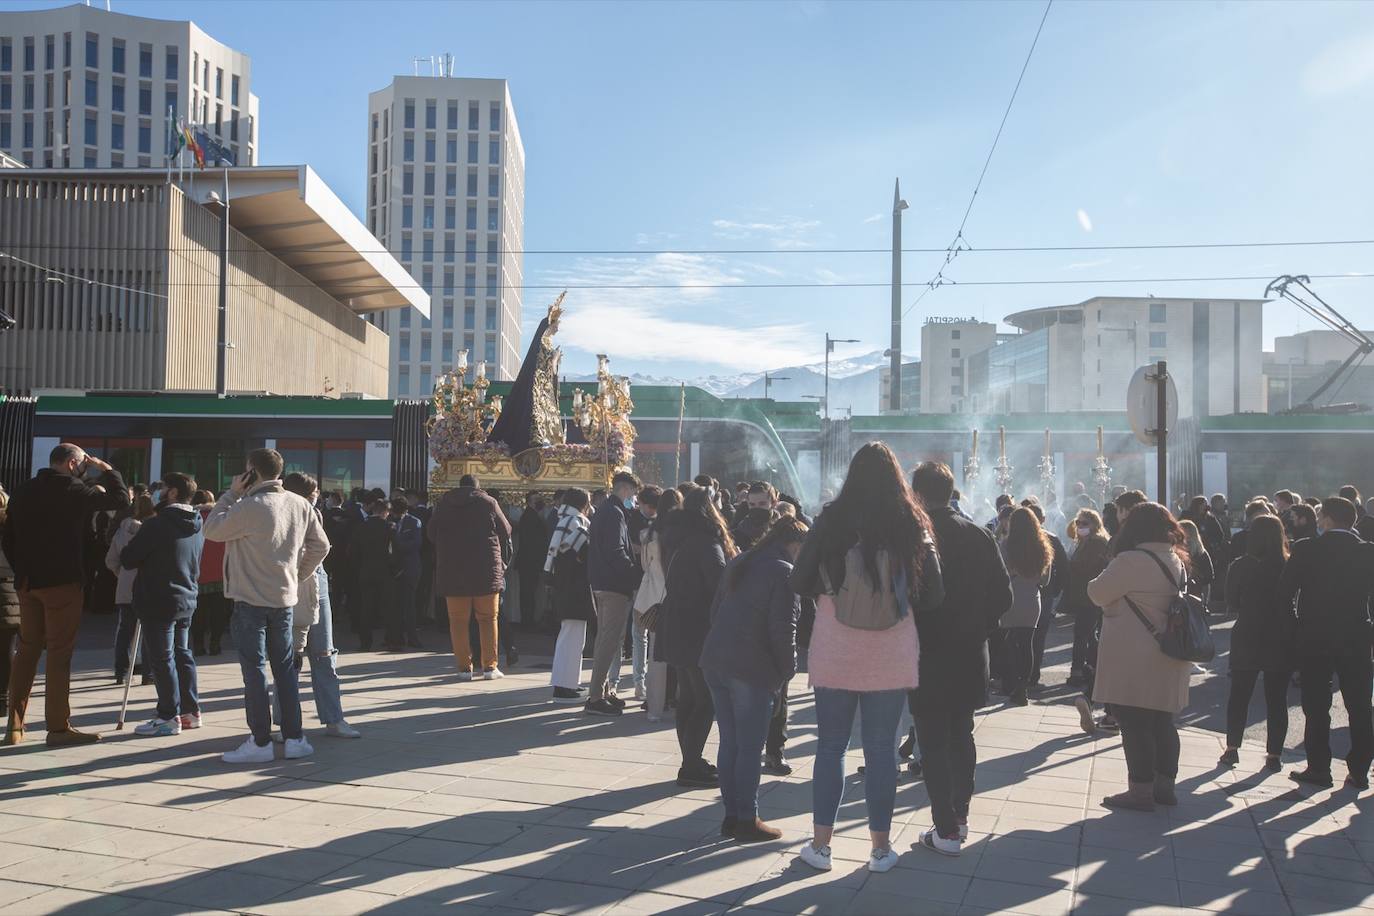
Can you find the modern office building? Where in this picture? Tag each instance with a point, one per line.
(945, 343)
(113, 278)
(1301, 363)
(81, 86)
(911, 389)
(1081, 357)
(446, 195)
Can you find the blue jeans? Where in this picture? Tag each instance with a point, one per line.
(167, 644)
(639, 640)
(319, 649)
(124, 639)
(263, 637)
(879, 712)
(743, 711)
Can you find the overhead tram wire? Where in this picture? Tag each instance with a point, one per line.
(952, 251)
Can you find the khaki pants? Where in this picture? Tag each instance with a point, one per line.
(460, 611)
(48, 619)
(612, 610)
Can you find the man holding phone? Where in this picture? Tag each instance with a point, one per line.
(271, 538)
(43, 531)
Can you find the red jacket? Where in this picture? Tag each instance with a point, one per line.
(211, 557)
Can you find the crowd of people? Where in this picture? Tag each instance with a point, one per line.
(907, 612)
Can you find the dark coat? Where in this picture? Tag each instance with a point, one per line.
(1332, 578)
(753, 633)
(9, 598)
(694, 561)
(1089, 559)
(1059, 576)
(406, 549)
(572, 594)
(369, 550)
(166, 552)
(1265, 634)
(44, 535)
(471, 537)
(612, 566)
(534, 542)
(1364, 527)
(1201, 573)
(954, 659)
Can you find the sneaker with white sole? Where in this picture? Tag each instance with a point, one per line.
(640, 695)
(249, 752)
(818, 859)
(159, 728)
(882, 860)
(963, 831)
(493, 675)
(298, 747)
(945, 846)
(464, 676)
(341, 729)
(190, 720)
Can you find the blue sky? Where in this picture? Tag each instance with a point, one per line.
(781, 126)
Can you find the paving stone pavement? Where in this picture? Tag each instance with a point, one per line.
(485, 797)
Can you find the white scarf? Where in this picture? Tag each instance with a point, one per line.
(569, 534)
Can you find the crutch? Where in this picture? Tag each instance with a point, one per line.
(129, 675)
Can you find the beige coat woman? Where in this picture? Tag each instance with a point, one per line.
(1131, 669)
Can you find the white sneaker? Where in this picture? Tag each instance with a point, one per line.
(882, 860)
(963, 832)
(818, 859)
(341, 729)
(298, 747)
(943, 845)
(492, 675)
(159, 728)
(190, 720)
(249, 752)
(464, 676)
(640, 695)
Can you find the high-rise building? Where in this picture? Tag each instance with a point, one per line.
(446, 195)
(84, 87)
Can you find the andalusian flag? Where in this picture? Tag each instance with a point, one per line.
(176, 140)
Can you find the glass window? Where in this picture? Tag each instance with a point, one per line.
(6, 96)
(90, 130)
(408, 181)
(341, 465)
(172, 99)
(451, 183)
(429, 216)
(954, 353)
(408, 150)
(493, 218)
(495, 116)
(234, 128)
(426, 352)
(470, 283)
(403, 381)
(450, 216)
(491, 316)
(451, 149)
(452, 115)
(233, 90)
(92, 91)
(429, 182)
(448, 282)
(145, 100)
(172, 68)
(470, 318)
(219, 82)
(92, 49)
(405, 248)
(494, 183)
(471, 251)
(448, 338)
(1156, 313)
(489, 352)
(28, 93)
(300, 456)
(145, 61)
(49, 53)
(117, 96)
(472, 151)
(405, 319)
(407, 216)
(472, 216)
(117, 56)
(493, 249)
(6, 136)
(472, 116)
(6, 54)
(145, 138)
(1158, 340)
(492, 288)
(450, 249)
(426, 382)
(494, 152)
(205, 74)
(28, 137)
(28, 54)
(467, 343)
(409, 121)
(431, 113)
(429, 149)
(472, 184)
(405, 345)
(214, 463)
(429, 248)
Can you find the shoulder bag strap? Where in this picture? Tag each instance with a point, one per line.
(1145, 621)
(1162, 568)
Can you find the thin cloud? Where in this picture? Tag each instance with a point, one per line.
(782, 232)
(1345, 64)
(876, 217)
(1085, 220)
(1084, 265)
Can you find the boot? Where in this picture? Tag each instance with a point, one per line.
(1139, 797)
(1164, 791)
(755, 831)
(71, 738)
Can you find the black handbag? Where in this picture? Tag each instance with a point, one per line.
(1186, 636)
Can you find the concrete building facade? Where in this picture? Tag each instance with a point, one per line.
(116, 284)
(1301, 363)
(945, 344)
(84, 87)
(911, 389)
(446, 195)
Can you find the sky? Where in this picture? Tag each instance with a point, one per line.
(664, 129)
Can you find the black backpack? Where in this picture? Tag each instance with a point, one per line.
(1186, 636)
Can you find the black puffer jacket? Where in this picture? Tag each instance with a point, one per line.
(44, 535)
(753, 633)
(694, 561)
(1265, 635)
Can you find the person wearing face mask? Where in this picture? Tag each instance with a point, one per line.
(614, 574)
(43, 543)
(1302, 522)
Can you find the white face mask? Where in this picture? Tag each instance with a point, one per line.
(1084, 531)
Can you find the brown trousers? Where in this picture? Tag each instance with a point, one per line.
(460, 611)
(48, 619)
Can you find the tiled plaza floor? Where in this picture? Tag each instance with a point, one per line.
(485, 797)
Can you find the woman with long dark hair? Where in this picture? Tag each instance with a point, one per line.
(1262, 639)
(697, 545)
(1091, 554)
(1027, 553)
(871, 564)
(749, 653)
(1146, 688)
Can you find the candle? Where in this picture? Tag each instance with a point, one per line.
(463, 361)
(1099, 440)
(1047, 442)
(1001, 441)
(975, 442)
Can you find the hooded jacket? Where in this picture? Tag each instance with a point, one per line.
(470, 535)
(753, 633)
(264, 532)
(44, 533)
(166, 553)
(613, 566)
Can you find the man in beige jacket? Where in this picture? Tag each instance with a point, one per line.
(272, 538)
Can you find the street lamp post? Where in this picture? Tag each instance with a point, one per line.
(894, 394)
(769, 379)
(830, 348)
(820, 401)
(222, 328)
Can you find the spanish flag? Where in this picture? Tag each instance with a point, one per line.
(193, 146)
